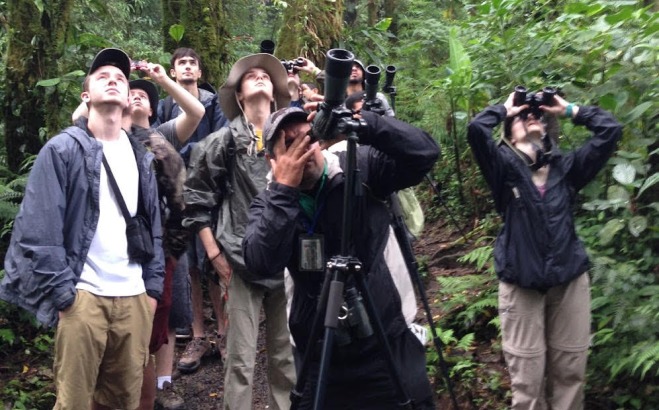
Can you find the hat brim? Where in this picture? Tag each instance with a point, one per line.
(152, 92)
(271, 128)
(228, 100)
(111, 56)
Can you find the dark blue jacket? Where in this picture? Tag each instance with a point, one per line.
(538, 247)
(57, 221)
(212, 121)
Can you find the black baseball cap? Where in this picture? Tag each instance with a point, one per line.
(111, 56)
(277, 119)
(152, 92)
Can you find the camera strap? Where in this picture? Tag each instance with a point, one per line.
(117, 191)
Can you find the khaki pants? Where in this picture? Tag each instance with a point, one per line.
(243, 310)
(545, 343)
(101, 349)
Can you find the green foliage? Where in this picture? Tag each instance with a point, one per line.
(23, 342)
(249, 24)
(176, 32)
(471, 300)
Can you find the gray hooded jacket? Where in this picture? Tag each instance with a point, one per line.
(57, 221)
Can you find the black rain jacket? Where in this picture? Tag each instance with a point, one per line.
(537, 247)
(394, 156)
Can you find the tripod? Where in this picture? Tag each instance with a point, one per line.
(339, 269)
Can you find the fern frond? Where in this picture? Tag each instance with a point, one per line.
(645, 355)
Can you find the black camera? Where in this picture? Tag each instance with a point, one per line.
(533, 100)
(292, 65)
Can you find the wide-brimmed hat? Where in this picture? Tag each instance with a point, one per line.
(276, 120)
(111, 56)
(152, 92)
(269, 63)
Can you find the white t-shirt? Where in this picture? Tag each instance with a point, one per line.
(107, 271)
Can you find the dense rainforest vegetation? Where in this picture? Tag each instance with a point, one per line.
(453, 58)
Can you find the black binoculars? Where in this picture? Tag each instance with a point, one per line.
(291, 65)
(533, 100)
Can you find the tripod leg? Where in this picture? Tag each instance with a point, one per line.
(298, 390)
(335, 297)
(404, 402)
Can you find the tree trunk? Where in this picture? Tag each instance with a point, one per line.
(350, 13)
(310, 29)
(35, 44)
(205, 32)
(390, 9)
(372, 8)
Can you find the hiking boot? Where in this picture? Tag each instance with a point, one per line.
(167, 399)
(191, 357)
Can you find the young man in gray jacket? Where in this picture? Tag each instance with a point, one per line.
(68, 260)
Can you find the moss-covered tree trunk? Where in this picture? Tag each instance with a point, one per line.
(36, 41)
(372, 12)
(350, 12)
(205, 32)
(390, 10)
(310, 29)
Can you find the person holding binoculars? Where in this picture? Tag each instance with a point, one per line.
(544, 288)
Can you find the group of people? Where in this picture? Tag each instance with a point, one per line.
(234, 189)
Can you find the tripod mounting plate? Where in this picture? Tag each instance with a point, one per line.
(344, 264)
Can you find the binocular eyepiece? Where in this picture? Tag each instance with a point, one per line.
(291, 65)
(267, 47)
(533, 100)
(371, 80)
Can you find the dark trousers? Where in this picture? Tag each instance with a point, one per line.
(359, 379)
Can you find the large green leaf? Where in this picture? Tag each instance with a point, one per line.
(176, 32)
(637, 112)
(637, 225)
(624, 173)
(609, 230)
(49, 82)
(651, 180)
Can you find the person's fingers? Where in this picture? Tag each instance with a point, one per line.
(308, 154)
(299, 146)
(273, 166)
(311, 116)
(509, 101)
(280, 146)
(513, 111)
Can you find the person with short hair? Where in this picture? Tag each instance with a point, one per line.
(68, 261)
(186, 70)
(226, 171)
(175, 308)
(296, 224)
(544, 288)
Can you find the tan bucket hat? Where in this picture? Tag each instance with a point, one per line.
(269, 63)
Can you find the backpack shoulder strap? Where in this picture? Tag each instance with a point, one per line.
(168, 108)
(210, 113)
(230, 143)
